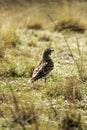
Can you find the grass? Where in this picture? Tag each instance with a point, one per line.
(70, 120)
(70, 25)
(35, 26)
(61, 103)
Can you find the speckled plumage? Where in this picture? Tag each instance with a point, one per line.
(44, 67)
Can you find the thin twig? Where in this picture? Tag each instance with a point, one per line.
(81, 58)
(76, 63)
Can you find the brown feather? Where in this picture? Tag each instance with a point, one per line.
(44, 67)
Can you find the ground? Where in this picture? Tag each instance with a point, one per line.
(61, 102)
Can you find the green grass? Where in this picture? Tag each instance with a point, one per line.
(61, 103)
(36, 106)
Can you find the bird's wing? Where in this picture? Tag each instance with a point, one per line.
(39, 67)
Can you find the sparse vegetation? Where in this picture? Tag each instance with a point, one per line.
(61, 102)
(70, 25)
(72, 90)
(36, 26)
(71, 121)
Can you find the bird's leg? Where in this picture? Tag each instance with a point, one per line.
(45, 79)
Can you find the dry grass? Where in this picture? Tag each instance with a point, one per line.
(71, 121)
(72, 90)
(41, 106)
(70, 25)
(36, 26)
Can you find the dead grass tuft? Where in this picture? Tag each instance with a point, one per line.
(32, 43)
(2, 51)
(35, 26)
(70, 24)
(71, 121)
(45, 37)
(72, 89)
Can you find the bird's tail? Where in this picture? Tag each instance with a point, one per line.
(31, 80)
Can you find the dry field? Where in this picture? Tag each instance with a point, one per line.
(26, 30)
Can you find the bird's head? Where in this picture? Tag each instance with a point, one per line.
(48, 52)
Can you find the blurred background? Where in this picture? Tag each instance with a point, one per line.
(36, 11)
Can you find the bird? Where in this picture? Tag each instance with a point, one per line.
(44, 67)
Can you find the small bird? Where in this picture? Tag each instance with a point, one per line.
(44, 67)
